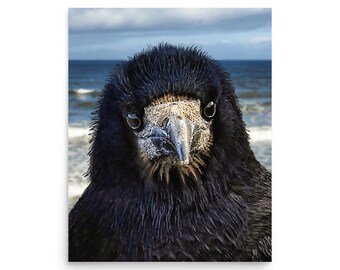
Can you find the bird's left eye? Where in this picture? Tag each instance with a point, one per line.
(210, 109)
(133, 121)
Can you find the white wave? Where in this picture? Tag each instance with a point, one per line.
(260, 133)
(75, 189)
(83, 91)
(78, 132)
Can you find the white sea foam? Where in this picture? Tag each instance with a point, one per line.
(74, 189)
(83, 91)
(78, 132)
(260, 133)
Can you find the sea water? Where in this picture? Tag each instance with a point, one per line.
(252, 81)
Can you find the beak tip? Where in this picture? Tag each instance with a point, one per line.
(185, 162)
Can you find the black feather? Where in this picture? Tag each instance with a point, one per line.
(121, 217)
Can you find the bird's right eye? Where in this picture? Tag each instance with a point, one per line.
(133, 121)
(210, 109)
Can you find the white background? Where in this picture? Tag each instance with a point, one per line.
(33, 134)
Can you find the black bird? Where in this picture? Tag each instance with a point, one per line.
(173, 177)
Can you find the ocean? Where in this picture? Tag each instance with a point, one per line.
(252, 81)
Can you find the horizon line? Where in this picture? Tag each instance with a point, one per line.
(260, 59)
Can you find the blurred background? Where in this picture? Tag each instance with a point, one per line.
(240, 39)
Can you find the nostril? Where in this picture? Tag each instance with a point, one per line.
(158, 132)
(163, 144)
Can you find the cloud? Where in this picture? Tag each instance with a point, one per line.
(225, 41)
(119, 33)
(166, 20)
(257, 40)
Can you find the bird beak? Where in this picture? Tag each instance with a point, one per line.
(180, 132)
(174, 132)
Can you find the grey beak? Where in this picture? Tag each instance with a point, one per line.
(180, 132)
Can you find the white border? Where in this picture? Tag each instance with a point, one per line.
(34, 134)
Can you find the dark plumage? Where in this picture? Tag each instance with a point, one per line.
(221, 214)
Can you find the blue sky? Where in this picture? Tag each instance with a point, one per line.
(225, 33)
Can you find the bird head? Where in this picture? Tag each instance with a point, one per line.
(166, 114)
(174, 134)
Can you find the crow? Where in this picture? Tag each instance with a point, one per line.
(172, 175)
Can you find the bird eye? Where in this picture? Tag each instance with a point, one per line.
(133, 121)
(210, 109)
